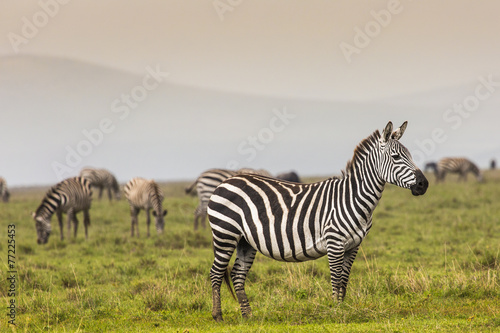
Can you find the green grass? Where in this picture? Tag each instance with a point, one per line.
(430, 263)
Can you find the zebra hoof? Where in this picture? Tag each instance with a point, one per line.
(217, 317)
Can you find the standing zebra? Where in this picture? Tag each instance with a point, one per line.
(102, 178)
(456, 165)
(298, 222)
(4, 191)
(69, 196)
(206, 184)
(147, 195)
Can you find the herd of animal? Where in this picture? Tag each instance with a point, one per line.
(249, 211)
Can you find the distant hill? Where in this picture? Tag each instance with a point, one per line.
(176, 131)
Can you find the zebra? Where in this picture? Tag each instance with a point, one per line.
(68, 196)
(145, 194)
(102, 178)
(298, 222)
(458, 165)
(4, 191)
(206, 184)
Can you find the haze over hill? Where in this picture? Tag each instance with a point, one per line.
(59, 115)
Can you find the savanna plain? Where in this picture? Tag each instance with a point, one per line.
(429, 263)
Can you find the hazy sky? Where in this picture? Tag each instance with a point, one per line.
(344, 68)
(287, 47)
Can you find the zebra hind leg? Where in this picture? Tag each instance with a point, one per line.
(245, 256)
(223, 250)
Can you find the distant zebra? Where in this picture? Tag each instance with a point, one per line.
(4, 191)
(69, 196)
(459, 165)
(147, 195)
(289, 176)
(431, 166)
(298, 222)
(206, 184)
(102, 179)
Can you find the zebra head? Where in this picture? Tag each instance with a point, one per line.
(396, 164)
(43, 229)
(159, 220)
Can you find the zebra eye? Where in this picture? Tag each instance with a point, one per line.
(396, 157)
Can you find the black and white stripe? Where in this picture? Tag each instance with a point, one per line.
(299, 222)
(69, 196)
(102, 179)
(459, 165)
(145, 194)
(206, 184)
(4, 191)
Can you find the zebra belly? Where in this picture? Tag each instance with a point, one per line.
(310, 250)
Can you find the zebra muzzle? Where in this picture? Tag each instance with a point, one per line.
(421, 184)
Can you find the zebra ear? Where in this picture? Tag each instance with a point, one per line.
(386, 134)
(165, 212)
(398, 133)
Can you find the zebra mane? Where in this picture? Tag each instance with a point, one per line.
(361, 151)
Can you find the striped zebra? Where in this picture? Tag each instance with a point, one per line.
(102, 179)
(298, 222)
(459, 165)
(206, 184)
(145, 194)
(4, 191)
(69, 196)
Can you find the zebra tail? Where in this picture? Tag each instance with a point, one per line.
(190, 188)
(227, 280)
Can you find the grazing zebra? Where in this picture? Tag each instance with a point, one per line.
(69, 196)
(456, 165)
(298, 222)
(206, 184)
(4, 191)
(145, 194)
(102, 178)
(289, 176)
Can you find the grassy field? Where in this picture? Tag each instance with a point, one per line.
(430, 263)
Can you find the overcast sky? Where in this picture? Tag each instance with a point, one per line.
(381, 52)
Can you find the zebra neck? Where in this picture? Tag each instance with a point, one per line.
(365, 187)
(49, 205)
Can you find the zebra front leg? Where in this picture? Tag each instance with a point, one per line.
(335, 253)
(100, 192)
(60, 220)
(245, 255)
(69, 218)
(133, 221)
(86, 222)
